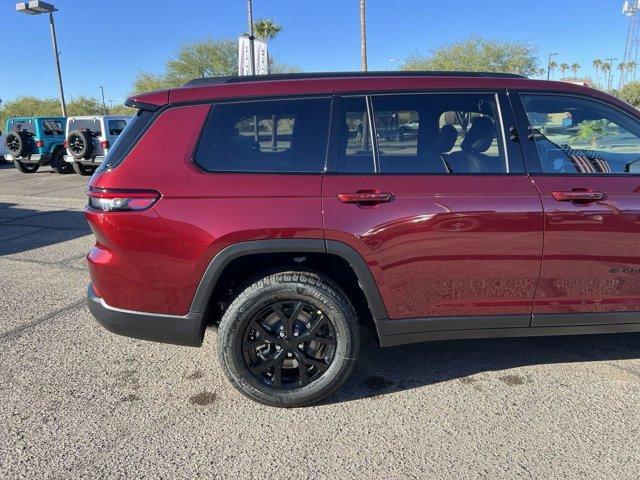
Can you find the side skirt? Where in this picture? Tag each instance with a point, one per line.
(401, 332)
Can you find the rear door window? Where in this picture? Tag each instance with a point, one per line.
(116, 127)
(52, 128)
(272, 136)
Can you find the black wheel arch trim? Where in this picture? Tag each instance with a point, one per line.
(351, 256)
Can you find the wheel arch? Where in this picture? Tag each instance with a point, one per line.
(218, 265)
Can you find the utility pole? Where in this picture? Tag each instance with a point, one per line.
(363, 36)
(104, 105)
(252, 52)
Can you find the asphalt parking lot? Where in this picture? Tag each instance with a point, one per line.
(80, 402)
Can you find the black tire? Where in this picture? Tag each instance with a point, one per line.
(79, 144)
(321, 367)
(26, 167)
(17, 143)
(81, 169)
(58, 164)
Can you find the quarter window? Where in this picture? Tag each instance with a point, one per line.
(577, 135)
(266, 136)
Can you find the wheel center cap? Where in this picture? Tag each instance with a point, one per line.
(289, 343)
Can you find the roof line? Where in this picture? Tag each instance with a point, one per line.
(319, 75)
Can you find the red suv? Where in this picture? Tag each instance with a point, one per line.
(291, 210)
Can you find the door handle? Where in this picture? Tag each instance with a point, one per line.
(577, 195)
(365, 197)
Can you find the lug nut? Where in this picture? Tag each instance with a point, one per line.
(295, 334)
(281, 334)
(289, 354)
(301, 346)
(278, 348)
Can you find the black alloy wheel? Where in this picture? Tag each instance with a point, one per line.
(289, 344)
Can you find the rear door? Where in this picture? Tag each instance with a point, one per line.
(584, 156)
(444, 215)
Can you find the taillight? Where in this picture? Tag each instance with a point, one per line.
(104, 144)
(39, 143)
(115, 200)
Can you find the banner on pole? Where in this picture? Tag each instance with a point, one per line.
(261, 59)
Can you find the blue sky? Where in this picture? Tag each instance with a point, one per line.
(107, 42)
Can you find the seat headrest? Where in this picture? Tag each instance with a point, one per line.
(446, 139)
(480, 135)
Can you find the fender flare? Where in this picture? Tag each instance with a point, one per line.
(330, 247)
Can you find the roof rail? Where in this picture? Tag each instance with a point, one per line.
(302, 76)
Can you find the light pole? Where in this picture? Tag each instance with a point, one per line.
(551, 55)
(252, 52)
(36, 7)
(363, 35)
(104, 105)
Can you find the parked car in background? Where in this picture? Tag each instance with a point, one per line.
(3, 147)
(89, 139)
(35, 141)
(284, 222)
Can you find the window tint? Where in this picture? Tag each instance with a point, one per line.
(88, 124)
(268, 136)
(355, 146)
(438, 133)
(52, 127)
(577, 135)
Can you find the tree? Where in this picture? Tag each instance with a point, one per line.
(594, 130)
(631, 93)
(597, 65)
(632, 67)
(606, 69)
(28, 106)
(552, 67)
(266, 29)
(84, 106)
(479, 54)
(563, 68)
(574, 69)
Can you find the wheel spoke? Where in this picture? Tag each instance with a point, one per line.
(254, 344)
(307, 360)
(303, 376)
(267, 364)
(277, 371)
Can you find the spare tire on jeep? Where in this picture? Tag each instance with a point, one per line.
(17, 143)
(79, 144)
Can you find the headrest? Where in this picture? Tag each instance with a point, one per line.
(446, 139)
(480, 135)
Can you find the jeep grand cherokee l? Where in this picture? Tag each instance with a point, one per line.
(276, 211)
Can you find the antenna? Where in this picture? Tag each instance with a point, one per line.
(631, 9)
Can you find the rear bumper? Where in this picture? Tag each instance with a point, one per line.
(179, 330)
(85, 161)
(35, 158)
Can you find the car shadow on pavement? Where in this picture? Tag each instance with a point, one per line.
(386, 370)
(23, 229)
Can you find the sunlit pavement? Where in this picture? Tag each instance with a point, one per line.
(80, 402)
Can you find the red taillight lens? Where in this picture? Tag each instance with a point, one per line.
(39, 143)
(104, 144)
(112, 200)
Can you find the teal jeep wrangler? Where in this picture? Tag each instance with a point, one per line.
(34, 141)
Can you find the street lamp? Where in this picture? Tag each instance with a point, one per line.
(551, 55)
(36, 7)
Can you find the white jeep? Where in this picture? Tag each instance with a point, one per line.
(89, 139)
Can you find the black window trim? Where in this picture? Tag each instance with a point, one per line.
(532, 158)
(212, 104)
(501, 99)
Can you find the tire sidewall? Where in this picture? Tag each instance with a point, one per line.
(238, 317)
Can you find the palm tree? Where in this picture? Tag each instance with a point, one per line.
(574, 68)
(622, 67)
(606, 69)
(597, 65)
(542, 72)
(552, 66)
(563, 68)
(632, 67)
(266, 29)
